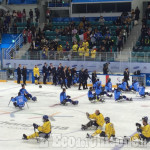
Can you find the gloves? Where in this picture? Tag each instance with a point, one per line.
(138, 125)
(102, 134)
(68, 96)
(139, 130)
(35, 125)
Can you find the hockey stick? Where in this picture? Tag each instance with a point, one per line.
(27, 105)
(9, 103)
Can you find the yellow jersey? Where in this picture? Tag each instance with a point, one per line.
(46, 128)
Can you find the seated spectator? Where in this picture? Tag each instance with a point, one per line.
(118, 21)
(85, 43)
(75, 47)
(59, 48)
(86, 50)
(81, 50)
(67, 48)
(101, 21)
(93, 53)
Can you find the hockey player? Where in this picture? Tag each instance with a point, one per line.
(142, 92)
(96, 119)
(117, 95)
(36, 74)
(108, 86)
(135, 86)
(143, 131)
(92, 96)
(43, 131)
(24, 92)
(109, 130)
(96, 83)
(19, 101)
(64, 99)
(100, 91)
(123, 85)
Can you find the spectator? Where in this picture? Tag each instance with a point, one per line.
(137, 13)
(101, 21)
(31, 15)
(24, 15)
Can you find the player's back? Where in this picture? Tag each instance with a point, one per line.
(62, 96)
(20, 100)
(141, 90)
(117, 94)
(109, 129)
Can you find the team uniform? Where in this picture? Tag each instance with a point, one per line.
(19, 101)
(123, 86)
(117, 95)
(24, 92)
(36, 74)
(142, 92)
(100, 92)
(64, 99)
(97, 120)
(108, 87)
(143, 131)
(135, 86)
(43, 131)
(109, 130)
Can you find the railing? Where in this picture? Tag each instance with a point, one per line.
(80, 56)
(8, 53)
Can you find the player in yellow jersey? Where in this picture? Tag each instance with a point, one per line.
(109, 130)
(96, 119)
(43, 131)
(143, 132)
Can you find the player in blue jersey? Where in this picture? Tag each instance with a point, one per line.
(64, 99)
(19, 101)
(108, 86)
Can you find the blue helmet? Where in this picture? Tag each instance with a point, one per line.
(107, 119)
(145, 118)
(45, 117)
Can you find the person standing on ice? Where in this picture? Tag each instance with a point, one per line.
(126, 76)
(43, 131)
(19, 74)
(109, 130)
(96, 119)
(36, 74)
(143, 131)
(64, 99)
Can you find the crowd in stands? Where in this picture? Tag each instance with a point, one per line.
(144, 39)
(84, 38)
(9, 22)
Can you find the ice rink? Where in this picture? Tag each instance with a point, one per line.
(65, 120)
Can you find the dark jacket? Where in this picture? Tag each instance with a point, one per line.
(45, 70)
(126, 75)
(18, 71)
(24, 72)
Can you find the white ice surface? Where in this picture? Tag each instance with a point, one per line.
(66, 120)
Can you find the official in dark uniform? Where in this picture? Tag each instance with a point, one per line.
(86, 76)
(94, 76)
(81, 79)
(126, 76)
(19, 74)
(45, 72)
(105, 68)
(63, 78)
(24, 74)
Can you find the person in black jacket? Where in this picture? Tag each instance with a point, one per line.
(24, 74)
(126, 76)
(86, 76)
(105, 68)
(50, 71)
(69, 77)
(45, 72)
(54, 73)
(81, 79)
(19, 74)
(94, 76)
(63, 78)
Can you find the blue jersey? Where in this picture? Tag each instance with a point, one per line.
(62, 96)
(108, 87)
(136, 86)
(20, 100)
(141, 90)
(90, 95)
(96, 84)
(23, 91)
(116, 94)
(123, 86)
(98, 90)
